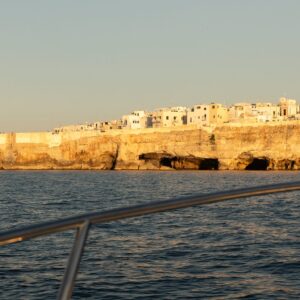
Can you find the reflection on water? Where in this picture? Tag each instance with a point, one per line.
(242, 248)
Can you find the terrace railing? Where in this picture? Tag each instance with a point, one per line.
(82, 223)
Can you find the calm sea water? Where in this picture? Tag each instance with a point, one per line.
(244, 248)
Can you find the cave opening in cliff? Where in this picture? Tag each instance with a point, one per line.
(166, 162)
(209, 164)
(258, 164)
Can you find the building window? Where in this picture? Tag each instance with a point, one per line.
(204, 108)
(191, 120)
(213, 106)
(198, 107)
(174, 118)
(167, 117)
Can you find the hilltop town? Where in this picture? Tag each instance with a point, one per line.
(260, 136)
(201, 115)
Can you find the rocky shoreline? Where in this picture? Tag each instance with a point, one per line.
(252, 147)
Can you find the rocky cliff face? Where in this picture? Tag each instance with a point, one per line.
(268, 147)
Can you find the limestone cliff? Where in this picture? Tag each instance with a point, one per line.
(274, 147)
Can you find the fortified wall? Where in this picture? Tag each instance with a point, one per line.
(227, 147)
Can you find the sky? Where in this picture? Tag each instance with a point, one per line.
(68, 61)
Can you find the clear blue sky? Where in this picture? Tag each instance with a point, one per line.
(68, 61)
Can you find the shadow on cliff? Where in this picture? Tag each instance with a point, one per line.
(162, 160)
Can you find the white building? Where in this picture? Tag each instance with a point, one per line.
(266, 112)
(136, 120)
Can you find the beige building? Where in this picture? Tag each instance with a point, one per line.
(108, 125)
(102, 126)
(218, 113)
(199, 114)
(79, 127)
(169, 117)
(240, 111)
(288, 108)
(136, 120)
(207, 114)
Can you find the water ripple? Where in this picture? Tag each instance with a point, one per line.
(240, 249)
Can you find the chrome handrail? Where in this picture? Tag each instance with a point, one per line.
(83, 222)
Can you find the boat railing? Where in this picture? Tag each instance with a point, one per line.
(82, 223)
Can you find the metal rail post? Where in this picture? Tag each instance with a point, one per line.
(67, 285)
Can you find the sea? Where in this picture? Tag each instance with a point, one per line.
(239, 249)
